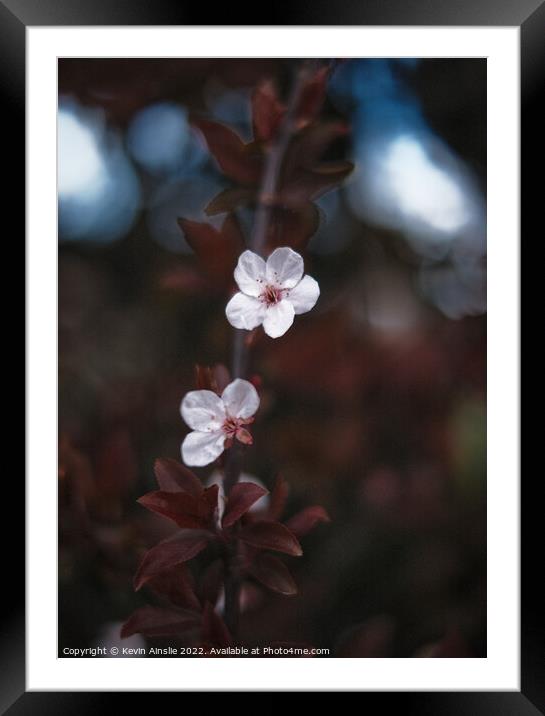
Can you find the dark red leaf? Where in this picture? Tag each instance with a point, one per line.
(293, 226)
(271, 535)
(172, 476)
(305, 184)
(178, 586)
(239, 161)
(156, 621)
(181, 547)
(228, 200)
(307, 148)
(273, 573)
(214, 631)
(217, 250)
(304, 521)
(267, 111)
(279, 497)
(242, 496)
(312, 96)
(209, 501)
(180, 507)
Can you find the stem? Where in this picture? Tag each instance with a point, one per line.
(239, 360)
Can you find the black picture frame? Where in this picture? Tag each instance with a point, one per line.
(529, 15)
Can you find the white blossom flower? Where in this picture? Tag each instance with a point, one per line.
(217, 420)
(272, 292)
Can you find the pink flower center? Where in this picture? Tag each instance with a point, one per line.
(271, 295)
(234, 428)
(231, 425)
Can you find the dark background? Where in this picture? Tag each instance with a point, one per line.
(373, 404)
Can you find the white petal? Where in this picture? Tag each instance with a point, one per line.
(250, 273)
(200, 449)
(278, 319)
(243, 311)
(203, 410)
(241, 399)
(304, 296)
(284, 267)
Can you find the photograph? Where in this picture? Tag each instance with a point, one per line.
(272, 347)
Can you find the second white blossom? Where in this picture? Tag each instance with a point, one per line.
(271, 292)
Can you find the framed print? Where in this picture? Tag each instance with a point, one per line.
(272, 365)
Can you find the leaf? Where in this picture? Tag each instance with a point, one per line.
(305, 184)
(181, 547)
(184, 509)
(172, 476)
(180, 507)
(157, 621)
(228, 200)
(312, 96)
(279, 497)
(274, 574)
(267, 111)
(309, 145)
(293, 226)
(242, 496)
(176, 585)
(303, 522)
(217, 250)
(237, 160)
(271, 535)
(214, 631)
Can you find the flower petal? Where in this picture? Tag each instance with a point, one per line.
(304, 296)
(203, 410)
(246, 312)
(278, 319)
(250, 273)
(200, 449)
(240, 398)
(284, 267)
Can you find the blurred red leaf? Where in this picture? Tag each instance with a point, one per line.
(178, 586)
(214, 631)
(242, 496)
(228, 200)
(172, 476)
(273, 573)
(157, 621)
(181, 547)
(305, 184)
(293, 226)
(184, 509)
(312, 96)
(217, 250)
(239, 161)
(278, 499)
(271, 535)
(267, 111)
(310, 144)
(303, 522)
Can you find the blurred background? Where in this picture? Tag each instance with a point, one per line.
(373, 404)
